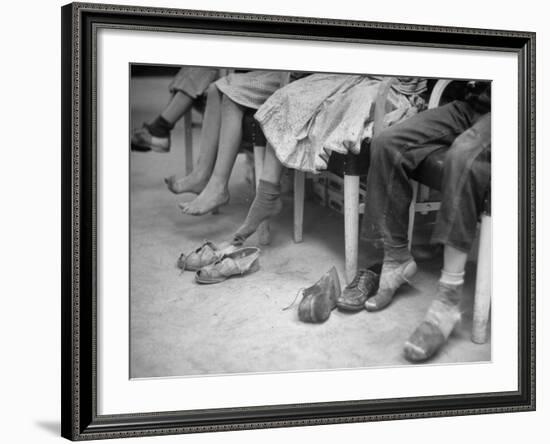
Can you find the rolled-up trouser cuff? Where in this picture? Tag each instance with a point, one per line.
(193, 81)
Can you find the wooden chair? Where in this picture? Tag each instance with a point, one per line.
(429, 176)
(352, 166)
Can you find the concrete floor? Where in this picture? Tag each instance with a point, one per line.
(180, 328)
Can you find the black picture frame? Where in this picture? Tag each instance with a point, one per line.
(80, 420)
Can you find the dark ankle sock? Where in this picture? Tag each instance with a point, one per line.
(160, 127)
(267, 203)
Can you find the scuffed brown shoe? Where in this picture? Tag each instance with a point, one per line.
(238, 263)
(206, 254)
(320, 299)
(354, 296)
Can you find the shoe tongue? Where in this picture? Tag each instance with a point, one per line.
(314, 289)
(358, 279)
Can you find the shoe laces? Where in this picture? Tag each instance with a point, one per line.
(358, 280)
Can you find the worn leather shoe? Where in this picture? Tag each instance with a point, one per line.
(320, 299)
(354, 296)
(238, 263)
(206, 254)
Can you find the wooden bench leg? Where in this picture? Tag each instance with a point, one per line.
(299, 197)
(351, 224)
(482, 298)
(187, 121)
(412, 212)
(264, 234)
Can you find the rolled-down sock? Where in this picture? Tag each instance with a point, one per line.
(267, 203)
(440, 320)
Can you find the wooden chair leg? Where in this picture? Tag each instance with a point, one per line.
(482, 298)
(423, 194)
(187, 121)
(264, 234)
(351, 224)
(412, 211)
(299, 197)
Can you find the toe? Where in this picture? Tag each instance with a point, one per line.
(371, 306)
(414, 352)
(197, 211)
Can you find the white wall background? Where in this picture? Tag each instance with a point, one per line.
(30, 220)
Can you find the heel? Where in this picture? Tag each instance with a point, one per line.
(254, 267)
(409, 271)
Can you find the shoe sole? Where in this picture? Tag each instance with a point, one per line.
(255, 267)
(352, 308)
(139, 148)
(147, 148)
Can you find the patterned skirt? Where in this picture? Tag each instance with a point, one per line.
(250, 89)
(308, 119)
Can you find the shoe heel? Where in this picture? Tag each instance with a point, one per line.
(254, 267)
(409, 271)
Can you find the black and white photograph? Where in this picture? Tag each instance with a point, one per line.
(249, 222)
(302, 221)
(274, 221)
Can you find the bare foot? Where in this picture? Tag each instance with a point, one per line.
(192, 183)
(212, 197)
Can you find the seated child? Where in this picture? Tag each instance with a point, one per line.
(221, 137)
(308, 119)
(189, 83)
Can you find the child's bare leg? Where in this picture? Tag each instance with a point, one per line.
(454, 261)
(216, 192)
(178, 105)
(267, 202)
(444, 312)
(210, 133)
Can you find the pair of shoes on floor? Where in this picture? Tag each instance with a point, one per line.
(143, 141)
(325, 295)
(213, 264)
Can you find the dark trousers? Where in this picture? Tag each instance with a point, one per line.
(399, 150)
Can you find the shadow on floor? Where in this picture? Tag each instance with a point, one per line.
(179, 328)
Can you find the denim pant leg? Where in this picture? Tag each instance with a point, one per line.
(466, 179)
(395, 153)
